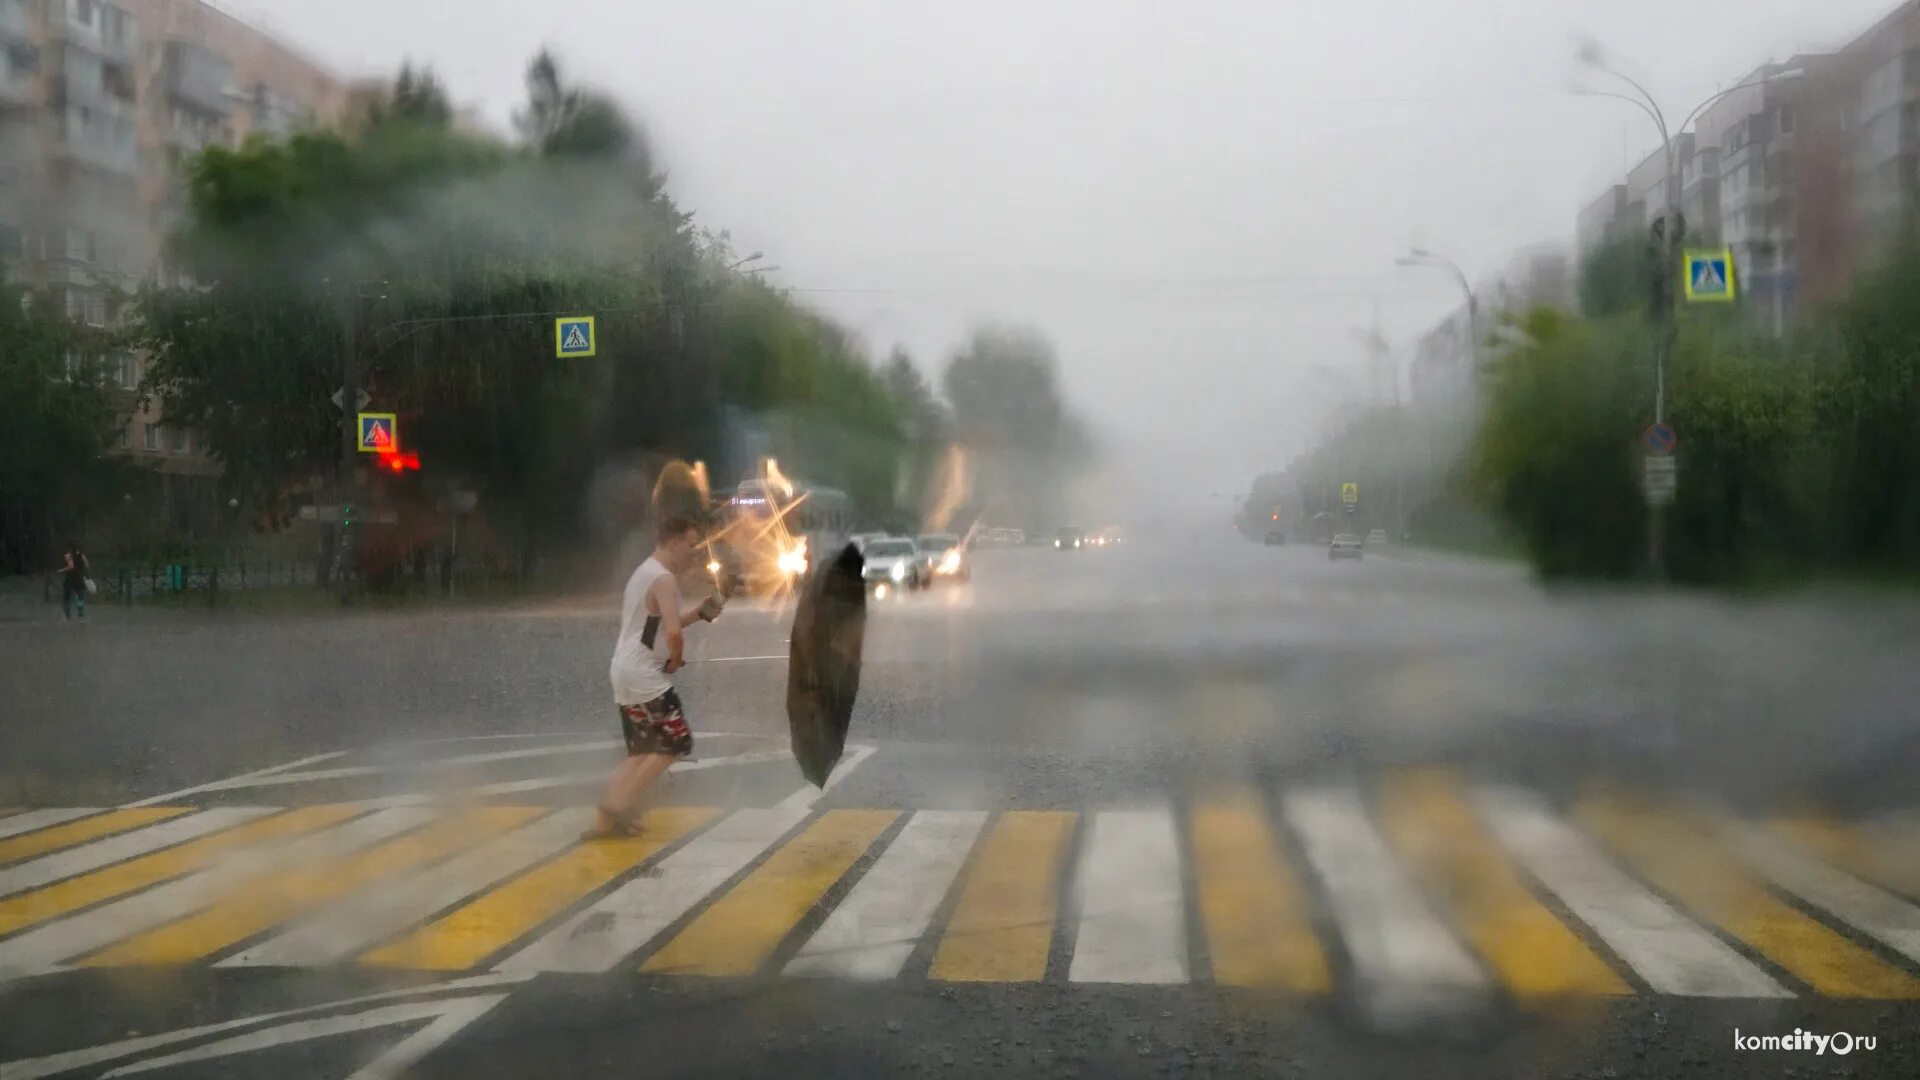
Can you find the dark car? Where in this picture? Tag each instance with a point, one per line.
(1068, 538)
(1275, 538)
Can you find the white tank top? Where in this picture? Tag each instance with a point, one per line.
(639, 671)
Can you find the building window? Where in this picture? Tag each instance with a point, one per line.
(126, 371)
(126, 437)
(180, 442)
(152, 437)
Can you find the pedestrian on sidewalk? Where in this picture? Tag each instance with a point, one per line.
(649, 650)
(73, 582)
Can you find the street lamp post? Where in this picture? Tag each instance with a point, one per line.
(1423, 257)
(1669, 233)
(738, 263)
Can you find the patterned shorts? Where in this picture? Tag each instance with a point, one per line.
(657, 727)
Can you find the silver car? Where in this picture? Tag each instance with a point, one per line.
(1344, 546)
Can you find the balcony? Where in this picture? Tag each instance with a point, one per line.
(16, 21)
(96, 26)
(197, 78)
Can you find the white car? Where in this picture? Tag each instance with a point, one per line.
(893, 565)
(1377, 536)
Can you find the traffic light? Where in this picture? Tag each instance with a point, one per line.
(347, 516)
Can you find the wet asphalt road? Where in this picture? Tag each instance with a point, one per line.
(1071, 681)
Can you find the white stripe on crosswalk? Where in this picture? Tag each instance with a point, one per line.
(65, 939)
(1405, 960)
(1671, 952)
(874, 930)
(1132, 915)
(626, 919)
(1871, 910)
(40, 819)
(357, 924)
(65, 864)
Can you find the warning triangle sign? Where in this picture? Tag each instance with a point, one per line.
(1707, 279)
(576, 338)
(378, 435)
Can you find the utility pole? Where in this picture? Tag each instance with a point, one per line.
(350, 438)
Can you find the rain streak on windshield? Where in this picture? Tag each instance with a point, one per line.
(1338, 540)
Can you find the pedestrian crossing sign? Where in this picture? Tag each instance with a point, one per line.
(379, 433)
(573, 336)
(1709, 275)
(1349, 493)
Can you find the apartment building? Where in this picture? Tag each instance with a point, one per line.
(1816, 161)
(100, 102)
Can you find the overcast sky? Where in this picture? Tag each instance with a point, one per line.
(1196, 201)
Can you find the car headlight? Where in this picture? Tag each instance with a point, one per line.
(898, 571)
(950, 563)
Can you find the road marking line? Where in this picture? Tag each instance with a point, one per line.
(1404, 958)
(433, 765)
(1679, 855)
(1868, 908)
(491, 922)
(73, 1060)
(87, 828)
(596, 776)
(1132, 926)
(172, 796)
(1002, 927)
(448, 1017)
(742, 928)
(270, 900)
(1428, 822)
(60, 898)
(59, 942)
(75, 861)
(1668, 950)
(808, 794)
(872, 933)
(1852, 850)
(333, 935)
(40, 819)
(1252, 905)
(626, 919)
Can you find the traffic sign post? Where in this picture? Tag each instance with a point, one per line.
(379, 433)
(573, 336)
(1659, 478)
(360, 401)
(1707, 275)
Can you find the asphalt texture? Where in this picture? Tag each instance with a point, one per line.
(1110, 678)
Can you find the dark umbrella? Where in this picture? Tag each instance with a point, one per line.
(823, 672)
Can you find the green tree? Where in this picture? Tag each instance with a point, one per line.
(60, 417)
(1008, 412)
(1616, 276)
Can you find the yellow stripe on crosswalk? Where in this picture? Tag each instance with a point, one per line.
(737, 934)
(272, 899)
(1252, 905)
(61, 897)
(40, 841)
(1683, 855)
(1895, 866)
(1002, 926)
(1426, 819)
(496, 919)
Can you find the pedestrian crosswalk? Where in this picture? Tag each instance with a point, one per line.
(1417, 886)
